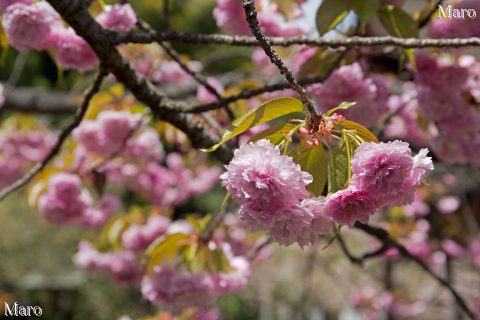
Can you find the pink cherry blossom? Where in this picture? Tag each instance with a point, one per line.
(259, 175)
(119, 17)
(71, 51)
(388, 171)
(121, 266)
(204, 95)
(138, 237)
(350, 205)
(234, 281)
(177, 289)
(28, 26)
(350, 83)
(5, 3)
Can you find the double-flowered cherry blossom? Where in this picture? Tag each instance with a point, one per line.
(382, 174)
(269, 188)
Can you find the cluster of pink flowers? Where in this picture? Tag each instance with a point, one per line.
(119, 17)
(180, 289)
(36, 25)
(205, 96)
(67, 202)
(453, 27)
(135, 152)
(351, 83)
(168, 71)
(106, 134)
(121, 266)
(268, 187)
(405, 125)
(139, 237)
(448, 96)
(19, 150)
(382, 174)
(230, 17)
(374, 304)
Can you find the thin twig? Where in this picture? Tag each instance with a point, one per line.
(197, 76)
(359, 260)
(247, 41)
(64, 134)
(251, 16)
(385, 238)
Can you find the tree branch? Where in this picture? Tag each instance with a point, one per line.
(247, 41)
(251, 14)
(385, 238)
(64, 134)
(75, 13)
(359, 260)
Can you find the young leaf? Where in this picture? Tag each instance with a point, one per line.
(330, 14)
(361, 131)
(313, 161)
(342, 106)
(398, 22)
(320, 64)
(165, 248)
(337, 170)
(366, 9)
(265, 112)
(275, 133)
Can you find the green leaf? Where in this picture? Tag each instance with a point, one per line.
(165, 248)
(397, 22)
(342, 106)
(366, 9)
(110, 237)
(337, 170)
(320, 64)
(365, 134)
(331, 13)
(265, 112)
(313, 161)
(275, 133)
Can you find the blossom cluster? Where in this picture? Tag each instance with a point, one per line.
(135, 153)
(449, 97)
(269, 188)
(36, 25)
(351, 83)
(383, 174)
(229, 16)
(180, 289)
(456, 28)
(21, 149)
(66, 202)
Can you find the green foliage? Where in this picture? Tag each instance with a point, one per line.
(342, 106)
(265, 112)
(338, 167)
(363, 133)
(330, 14)
(313, 161)
(275, 134)
(320, 64)
(397, 22)
(366, 9)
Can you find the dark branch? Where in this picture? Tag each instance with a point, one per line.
(360, 259)
(75, 13)
(251, 15)
(64, 134)
(385, 238)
